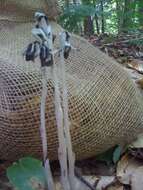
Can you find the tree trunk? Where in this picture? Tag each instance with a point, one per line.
(88, 26)
(128, 15)
(102, 17)
(140, 11)
(76, 2)
(119, 11)
(67, 3)
(97, 24)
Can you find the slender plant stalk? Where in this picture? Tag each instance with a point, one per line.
(65, 153)
(47, 168)
(62, 152)
(70, 155)
(43, 103)
(48, 173)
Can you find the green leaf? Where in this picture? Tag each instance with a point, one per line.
(80, 10)
(110, 156)
(117, 154)
(106, 156)
(27, 174)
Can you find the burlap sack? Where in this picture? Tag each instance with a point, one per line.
(105, 108)
(23, 10)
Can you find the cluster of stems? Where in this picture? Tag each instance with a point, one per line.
(43, 33)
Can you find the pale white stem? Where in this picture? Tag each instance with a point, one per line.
(62, 152)
(47, 169)
(48, 173)
(49, 177)
(71, 157)
(48, 31)
(43, 102)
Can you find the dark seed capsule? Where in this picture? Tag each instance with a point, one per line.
(67, 36)
(46, 56)
(54, 37)
(67, 51)
(32, 51)
(42, 17)
(41, 36)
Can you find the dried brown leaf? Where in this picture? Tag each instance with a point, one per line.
(125, 169)
(136, 65)
(135, 76)
(140, 83)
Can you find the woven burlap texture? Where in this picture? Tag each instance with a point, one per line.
(23, 10)
(105, 108)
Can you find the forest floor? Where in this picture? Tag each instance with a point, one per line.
(114, 170)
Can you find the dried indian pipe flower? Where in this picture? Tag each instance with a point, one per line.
(40, 15)
(32, 51)
(66, 44)
(67, 50)
(39, 34)
(46, 56)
